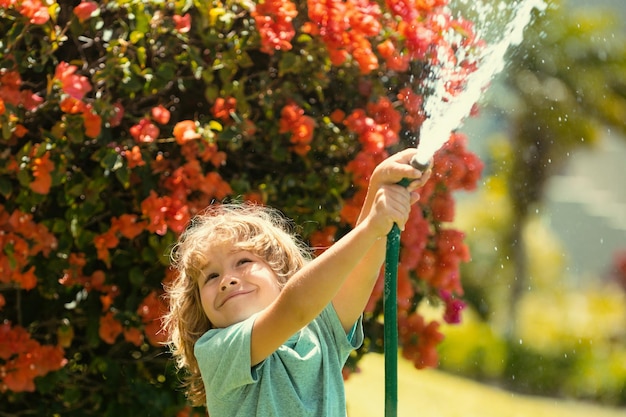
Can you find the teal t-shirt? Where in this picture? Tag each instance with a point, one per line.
(302, 378)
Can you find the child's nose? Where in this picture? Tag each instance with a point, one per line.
(229, 281)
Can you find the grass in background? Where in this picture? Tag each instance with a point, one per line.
(432, 393)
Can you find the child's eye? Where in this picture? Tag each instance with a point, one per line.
(243, 261)
(211, 276)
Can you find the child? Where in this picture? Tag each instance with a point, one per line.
(259, 327)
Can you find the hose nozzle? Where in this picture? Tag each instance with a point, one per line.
(420, 161)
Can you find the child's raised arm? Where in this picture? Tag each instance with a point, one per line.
(347, 271)
(355, 292)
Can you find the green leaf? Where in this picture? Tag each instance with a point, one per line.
(112, 161)
(136, 277)
(136, 36)
(6, 188)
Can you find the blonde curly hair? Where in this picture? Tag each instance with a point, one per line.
(259, 229)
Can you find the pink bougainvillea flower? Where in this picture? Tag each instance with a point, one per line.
(160, 114)
(85, 10)
(182, 23)
(185, 131)
(145, 131)
(75, 86)
(454, 307)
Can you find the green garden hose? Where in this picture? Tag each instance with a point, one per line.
(390, 306)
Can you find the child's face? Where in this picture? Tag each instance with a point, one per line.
(234, 285)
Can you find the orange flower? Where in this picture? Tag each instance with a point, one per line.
(20, 131)
(110, 328)
(41, 171)
(163, 213)
(323, 239)
(151, 311)
(185, 131)
(27, 280)
(92, 122)
(70, 105)
(292, 119)
(133, 335)
(128, 226)
(223, 108)
(134, 158)
(2, 107)
(104, 242)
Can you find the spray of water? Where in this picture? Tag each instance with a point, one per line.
(445, 112)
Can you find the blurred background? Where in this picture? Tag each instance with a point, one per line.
(547, 228)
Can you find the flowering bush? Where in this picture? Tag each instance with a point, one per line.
(122, 118)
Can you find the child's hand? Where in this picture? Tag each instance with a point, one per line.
(392, 204)
(396, 168)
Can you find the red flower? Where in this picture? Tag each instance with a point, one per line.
(182, 23)
(145, 131)
(117, 114)
(345, 27)
(273, 19)
(160, 114)
(85, 10)
(75, 86)
(292, 119)
(35, 10)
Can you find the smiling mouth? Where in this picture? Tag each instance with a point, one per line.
(233, 295)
